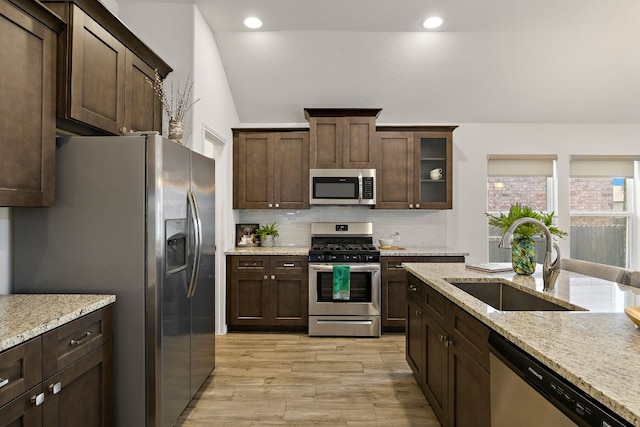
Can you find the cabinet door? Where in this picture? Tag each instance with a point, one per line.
(253, 171)
(291, 174)
(249, 299)
(434, 151)
(97, 89)
(436, 367)
(23, 411)
(358, 143)
(142, 106)
(469, 394)
(289, 299)
(80, 395)
(325, 134)
(27, 122)
(394, 301)
(415, 340)
(395, 175)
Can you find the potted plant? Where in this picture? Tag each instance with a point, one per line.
(523, 252)
(268, 233)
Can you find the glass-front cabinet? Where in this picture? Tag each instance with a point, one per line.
(434, 189)
(415, 167)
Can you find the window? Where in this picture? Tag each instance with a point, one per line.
(601, 205)
(528, 180)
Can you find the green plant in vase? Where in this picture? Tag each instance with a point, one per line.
(523, 250)
(268, 233)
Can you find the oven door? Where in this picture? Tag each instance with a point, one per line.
(364, 292)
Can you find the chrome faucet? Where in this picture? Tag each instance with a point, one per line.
(550, 269)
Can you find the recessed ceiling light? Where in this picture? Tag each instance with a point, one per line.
(252, 22)
(433, 22)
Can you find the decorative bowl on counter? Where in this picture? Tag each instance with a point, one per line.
(634, 314)
(386, 243)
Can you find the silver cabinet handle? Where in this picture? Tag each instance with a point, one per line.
(413, 288)
(289, 264)
(3, 382)
(80, 340)
(37, 399)
(417, 205)
(411, 206)
(398, 265)
(266, 277)
(270, 205)
(277, 205)
(273, 277)
(55, 388)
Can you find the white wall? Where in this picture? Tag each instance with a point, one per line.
(190, 49)
(467, 227)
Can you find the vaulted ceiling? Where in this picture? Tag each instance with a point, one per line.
(505, 61)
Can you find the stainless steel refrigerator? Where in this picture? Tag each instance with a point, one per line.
(134, 217)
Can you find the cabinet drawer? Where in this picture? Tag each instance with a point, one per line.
(416, 290)
(69, 343)
(394, 263)
(290, 264)
(435, 304)
(249, 263)
(20, 369)
(470, 334)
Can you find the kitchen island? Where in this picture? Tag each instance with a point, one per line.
(596, 347)
(26, 316)
(55, 359)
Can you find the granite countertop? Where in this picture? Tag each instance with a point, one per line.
(304, 250)
(596, 347)
(400, 250)
(25, 316)
(275, 250)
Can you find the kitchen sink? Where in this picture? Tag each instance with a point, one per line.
(507, 298)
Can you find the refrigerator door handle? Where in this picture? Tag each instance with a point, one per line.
(197, 231)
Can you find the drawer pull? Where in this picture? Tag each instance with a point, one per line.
(289, 264)
(55, 388)
(4, 382)
(413, 288)
(37, 399)
(398, 265)
(80, 340)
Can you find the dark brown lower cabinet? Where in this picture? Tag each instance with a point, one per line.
(267, 293)
(394, 285)
(72, 366)
(448, 352)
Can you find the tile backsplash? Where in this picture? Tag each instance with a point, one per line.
(416, 228)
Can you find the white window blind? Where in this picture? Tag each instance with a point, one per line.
(520, 165)
(602, 166)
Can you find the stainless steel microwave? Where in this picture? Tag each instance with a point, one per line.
(342, 187)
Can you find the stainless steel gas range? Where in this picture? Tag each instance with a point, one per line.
(343, 256)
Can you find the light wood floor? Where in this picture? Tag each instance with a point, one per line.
(297, 380)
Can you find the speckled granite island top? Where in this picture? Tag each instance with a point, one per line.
(23, 316)
(597, 348)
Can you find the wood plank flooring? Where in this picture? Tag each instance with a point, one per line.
(297, 380)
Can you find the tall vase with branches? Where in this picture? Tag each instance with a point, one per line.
(176, 103)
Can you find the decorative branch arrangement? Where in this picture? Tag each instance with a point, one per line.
(176, 103)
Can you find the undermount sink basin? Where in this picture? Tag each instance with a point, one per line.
(507, 298)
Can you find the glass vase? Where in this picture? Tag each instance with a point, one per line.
(523, 255)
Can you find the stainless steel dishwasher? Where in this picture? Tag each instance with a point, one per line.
(526, 393)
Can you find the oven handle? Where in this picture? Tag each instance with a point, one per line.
(367, 268)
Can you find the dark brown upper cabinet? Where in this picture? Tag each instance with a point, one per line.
(102, 65)
(270, 169)
(28, 33)
(342, 138)
(406, 156)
